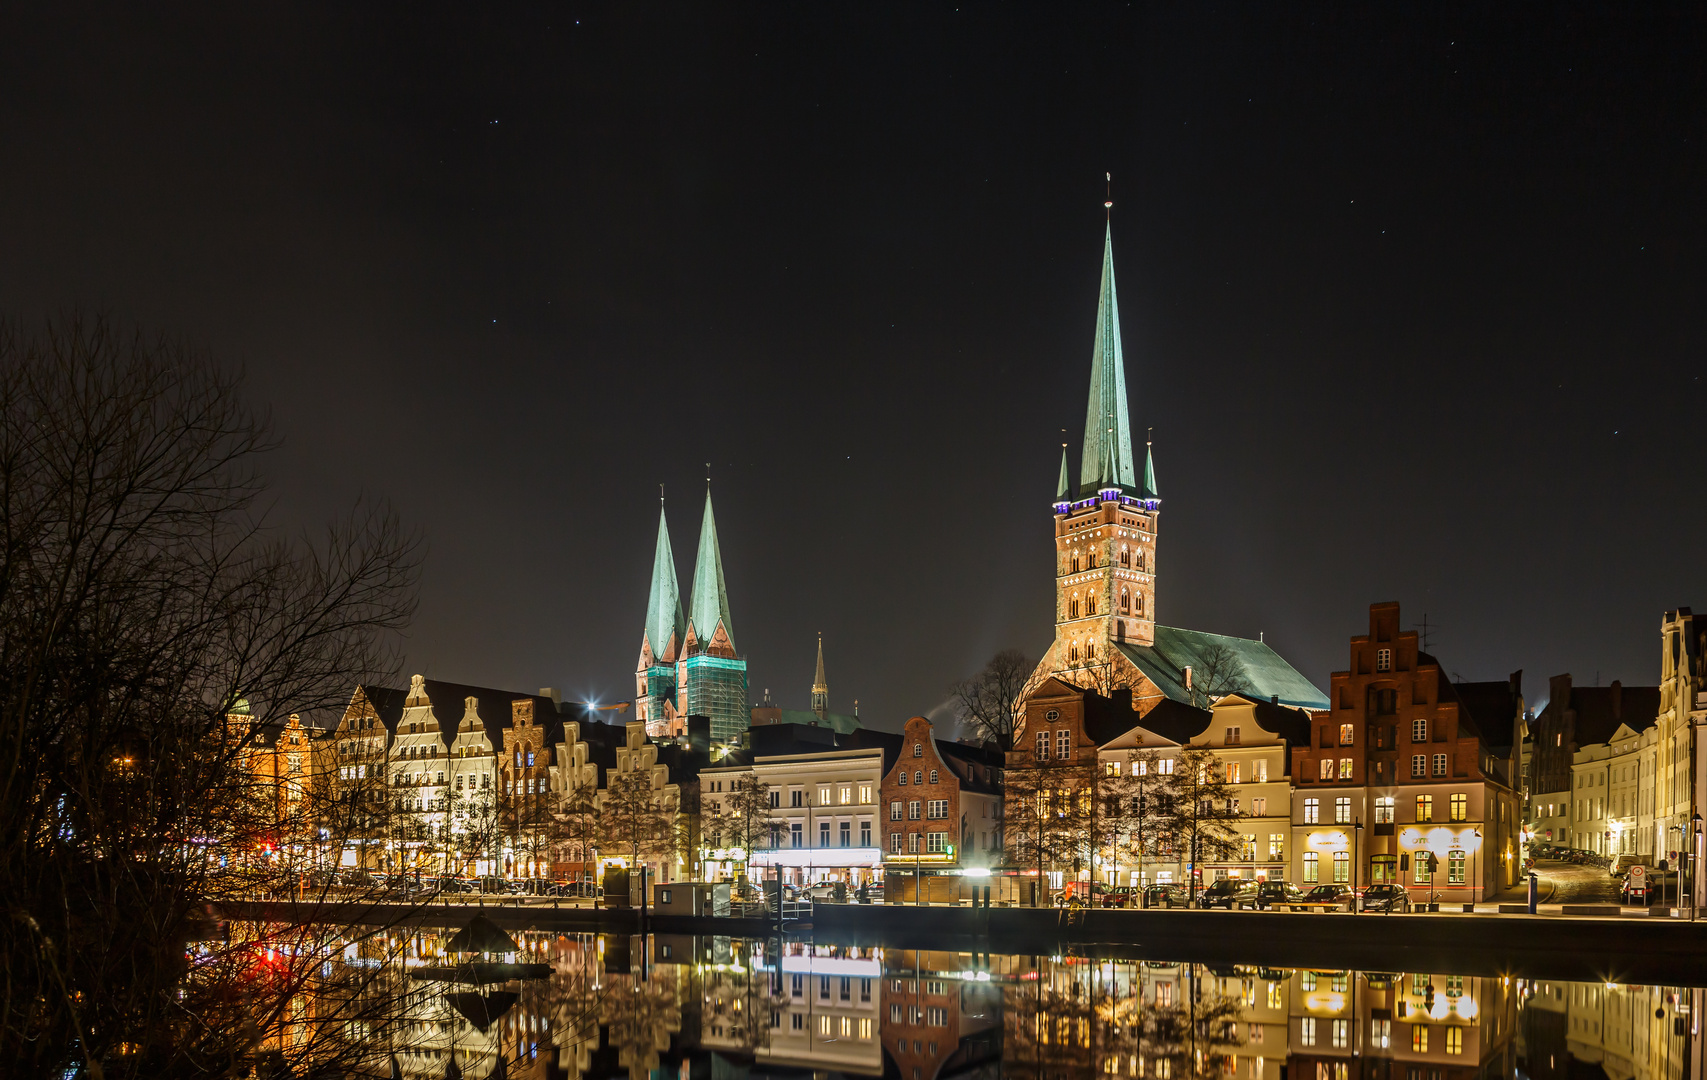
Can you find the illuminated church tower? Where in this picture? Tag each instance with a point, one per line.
(690, 667)
(1106, 634)
(1105, 523)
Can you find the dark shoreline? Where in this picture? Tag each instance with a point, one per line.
(1646, 951)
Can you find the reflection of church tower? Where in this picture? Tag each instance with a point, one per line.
(820, 688)
(1105, 524)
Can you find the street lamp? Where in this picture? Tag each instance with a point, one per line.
(1356, 867)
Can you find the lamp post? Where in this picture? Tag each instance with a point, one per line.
(1475, 866)
(1694, 861)
(1356, 868)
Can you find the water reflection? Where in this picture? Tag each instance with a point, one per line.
(680, 1006)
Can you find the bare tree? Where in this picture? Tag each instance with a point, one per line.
(143, 596)
(1198, 810)
(743, 818)
(1219, 672)
(575, 828)
(633, 818)
(988, 704)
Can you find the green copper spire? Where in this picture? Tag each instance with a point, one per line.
(1064, 486)
(1107, 456)
(710, 603)
(664, 602)
(1150, 489)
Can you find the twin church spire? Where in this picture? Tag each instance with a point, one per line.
(667, 630)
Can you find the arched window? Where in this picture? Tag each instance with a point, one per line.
(1138, 603)
(1125, 556)
(1125, 602)
(1090, 559)
(1073, 652)
(918, 749)
(1091, 604)
(1090, 650)
(1075, 562)
(1073, 608)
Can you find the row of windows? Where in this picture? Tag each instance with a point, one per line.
(797, 987)
(1130, 604)
(828, 1026)
(1348, 733)
(1380, 1034)
(1458, 804)
(934, 842)
(797, 835)
(934, 809)
(918, 777)
(1129, 558)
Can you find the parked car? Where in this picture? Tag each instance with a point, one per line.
(1621, 864)
(1268, 895)
(1329, 896)
(870, 893)
(1386, 898)
(1118, 896)
(823, 892)
(1220, 894)
(1165, 895)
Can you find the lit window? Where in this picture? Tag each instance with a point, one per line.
(1460, 807)
(1454, 1040)
(1345, 768)
(1425, 807)
(1233, 772)
(1342, 811)
(1342, 867)
(1348, 734)
(1312, 867)
(1312, 808)
(1327, 769)
(1341, 1034)
(1455, 867)
(1307, 1031)
(1419, 1038)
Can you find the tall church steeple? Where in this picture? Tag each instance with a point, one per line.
(1105, 528)
(821, 688)
(1107, 455)
(664, 623)
(708, 610)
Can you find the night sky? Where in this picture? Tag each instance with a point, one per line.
(1413, 304)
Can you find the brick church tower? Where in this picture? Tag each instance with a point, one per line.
(1105, 525)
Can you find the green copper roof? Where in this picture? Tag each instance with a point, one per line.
(1150, 490)
(710, 601)
(1234, 665)
(1107, 456)
(664, 602)
(1064, 486)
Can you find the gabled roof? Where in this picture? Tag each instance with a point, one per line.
(1486, 710)
(975, 766)
(710, 603)
(1260, 671)
(493, 706)
(1601, 709)
(1291, 724)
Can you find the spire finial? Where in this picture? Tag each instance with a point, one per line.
(660, 494)
(1108, 202)
(708, 476)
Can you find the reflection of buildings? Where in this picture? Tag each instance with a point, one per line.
(1635, 1032)
(941, 1013)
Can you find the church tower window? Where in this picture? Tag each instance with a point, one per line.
(1091, 604)
(1073, 608)
(1125, 602)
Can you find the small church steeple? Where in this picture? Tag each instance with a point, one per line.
(821, 688)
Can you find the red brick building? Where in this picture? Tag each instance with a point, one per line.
(939, 813)
(1406, 762)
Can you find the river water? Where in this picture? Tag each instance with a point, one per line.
(688, 1006)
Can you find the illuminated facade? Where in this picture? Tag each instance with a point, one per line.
(1405, 763)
